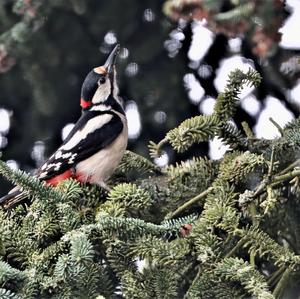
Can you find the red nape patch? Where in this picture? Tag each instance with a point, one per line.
(59, 178)
(85, 104)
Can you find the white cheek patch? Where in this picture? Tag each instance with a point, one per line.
(92, 125)
(102, 92)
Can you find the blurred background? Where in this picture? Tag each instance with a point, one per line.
(174, 60)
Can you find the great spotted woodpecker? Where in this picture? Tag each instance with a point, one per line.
(97, 142)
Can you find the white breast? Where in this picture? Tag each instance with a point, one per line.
(98, 168)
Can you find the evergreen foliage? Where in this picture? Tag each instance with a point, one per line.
(205, 127)
(197, 229)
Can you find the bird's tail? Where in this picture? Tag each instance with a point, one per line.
(13, 197)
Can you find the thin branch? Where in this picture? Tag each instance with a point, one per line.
(161, 143)
(277, 126)
(290, 167)
(189, 203)
(271, 163)
(277, 180)
(282, 283)
(238, 245)
(275, 276)
(247, 130)
(287, 176)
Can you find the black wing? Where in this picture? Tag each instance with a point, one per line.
(65, 158)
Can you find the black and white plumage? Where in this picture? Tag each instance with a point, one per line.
(97, 142)
(93, 148)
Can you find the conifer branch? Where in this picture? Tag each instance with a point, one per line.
(271, 165)
(242, 11)
(273, 279)
(235, 269)
(276, 181)
(205, 127)
(264, 246)
(226, 103)
(189, 203)
(8, 273)
(247, 130)
(33, 186)
(192, 172)
(7, 294)
(280, 130)
(232, 136)
(159, 251)
(285, 177)
(77, 241)
(292, 125)
(290, 167)
(132, 161)
(207, 284)
(155, 150)
(237, 166)
(131, 228)
(126, 200)
(282, 283)
(193, 130)
(238, 245)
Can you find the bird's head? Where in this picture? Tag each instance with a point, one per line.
(100, 83)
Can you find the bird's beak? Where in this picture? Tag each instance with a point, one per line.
(111, 60)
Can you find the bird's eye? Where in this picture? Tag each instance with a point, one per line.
(101, 80)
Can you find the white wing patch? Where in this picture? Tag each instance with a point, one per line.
(55, 166)
(43, 174)
(64, 154)
(47, 167)
(59, 155)
(92, 125)
(44, 167)
(71, 160)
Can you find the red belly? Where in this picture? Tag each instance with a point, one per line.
(64, 176)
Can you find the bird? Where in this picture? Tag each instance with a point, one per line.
(96, 144)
